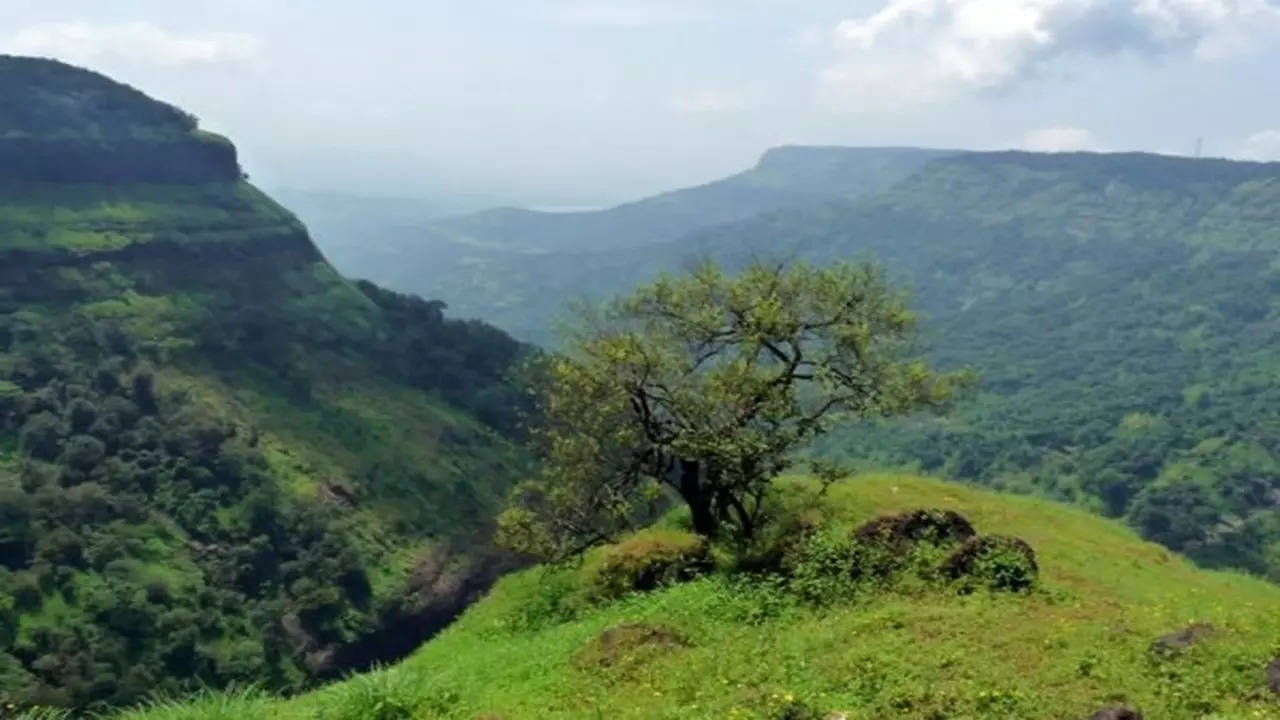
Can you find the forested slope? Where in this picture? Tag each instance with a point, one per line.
(219, 460)
(1121, 309)
(509, 266)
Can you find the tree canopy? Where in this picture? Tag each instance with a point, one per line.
(701, 387)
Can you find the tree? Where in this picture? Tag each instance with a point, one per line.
(702, 387)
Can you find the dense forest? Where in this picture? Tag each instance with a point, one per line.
(1119, 308)
(220, 462)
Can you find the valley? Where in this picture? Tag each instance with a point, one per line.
(249, 474)
(1119, 308)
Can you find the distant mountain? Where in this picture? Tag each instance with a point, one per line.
(505, 265)
(1121, 308)
(220, 461)
(356, 231)
(784, 176)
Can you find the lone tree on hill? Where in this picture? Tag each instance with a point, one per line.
(704, 385)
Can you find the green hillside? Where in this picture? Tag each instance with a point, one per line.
(505, 265)
(1120, 308)
(723, 646)
(61, 124)
(220, 461)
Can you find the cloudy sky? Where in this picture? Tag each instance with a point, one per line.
(584, 102)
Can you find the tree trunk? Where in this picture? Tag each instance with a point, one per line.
(697, 498)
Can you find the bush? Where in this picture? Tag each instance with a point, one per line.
(645, 561)
(818, 567)
(555, 599)
(997, 562)
(386, 694)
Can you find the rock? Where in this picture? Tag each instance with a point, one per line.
(936, 526)
(884, 544)
(1116, 713)
(338, 495)
(1174, 643)
(998, 562)
(1273, 676)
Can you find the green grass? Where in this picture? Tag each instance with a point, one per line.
(88, 218)
(415, 459)
(1077, 642)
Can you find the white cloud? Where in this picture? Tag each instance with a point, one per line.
(1263, 145)
(1059, 139)
(138, 42)
(914, 51)
(705, 102)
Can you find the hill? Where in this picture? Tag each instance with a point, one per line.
(220, 461)
(1120, 309)
(504, 264)
(1084, 638)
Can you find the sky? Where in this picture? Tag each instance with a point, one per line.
(579, 102)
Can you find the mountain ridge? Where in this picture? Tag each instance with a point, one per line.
(1120, 307)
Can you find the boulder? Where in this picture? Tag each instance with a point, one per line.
(1174, 643)
(926, 525)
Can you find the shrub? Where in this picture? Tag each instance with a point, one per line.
(386, 694)
(645, 561)
(554, 600)
(818, 567)
(997, 562)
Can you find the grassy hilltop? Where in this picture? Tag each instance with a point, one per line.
(719, 647)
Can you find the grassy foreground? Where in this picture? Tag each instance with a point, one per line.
(732, 649)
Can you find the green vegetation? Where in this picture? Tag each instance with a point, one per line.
(813, 640)
(222, 465)
(508, 266)
(220, 462)
(704, 386)
(63, 124)
(1119, 309)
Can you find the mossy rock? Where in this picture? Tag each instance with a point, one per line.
(1171, 645)
(997, 562)
(622, 643)
(645, 561)
(925, 525)
(888, 543)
